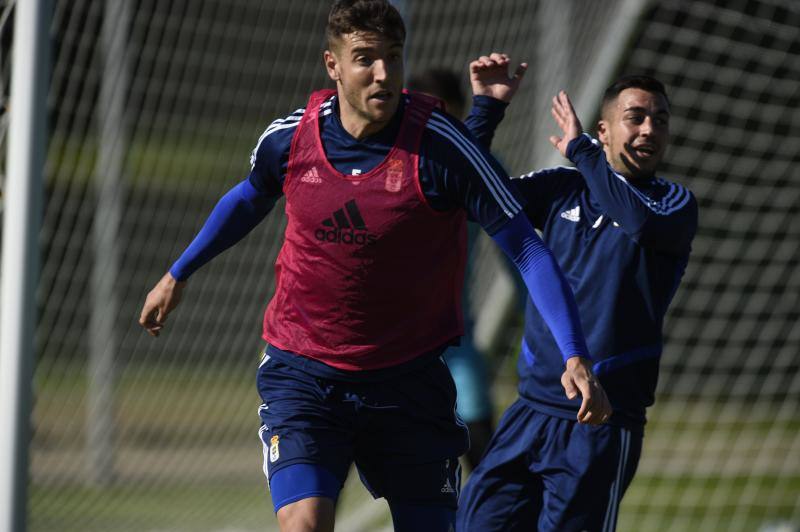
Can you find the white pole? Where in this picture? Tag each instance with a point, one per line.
(109, 184)
(613, 49)
(587, 103)
(20, 266)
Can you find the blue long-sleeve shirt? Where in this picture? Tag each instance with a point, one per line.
(623, 247)
(455, 172)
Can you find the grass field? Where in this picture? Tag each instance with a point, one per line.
(187, 460)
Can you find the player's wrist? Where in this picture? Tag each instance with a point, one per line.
(578, 361)
(172, 282)
(578, 144)
(489, 102)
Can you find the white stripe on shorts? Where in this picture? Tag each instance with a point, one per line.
(610, 523)
(265, 449)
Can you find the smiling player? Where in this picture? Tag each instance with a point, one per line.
(622, 236)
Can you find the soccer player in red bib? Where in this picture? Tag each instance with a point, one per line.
(378, 184)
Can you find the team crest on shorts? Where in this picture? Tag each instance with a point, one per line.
(274, 452)
(394, 175)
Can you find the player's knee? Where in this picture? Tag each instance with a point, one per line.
(314, 514)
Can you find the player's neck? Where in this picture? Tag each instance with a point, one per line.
(356, 124)
(636, 178)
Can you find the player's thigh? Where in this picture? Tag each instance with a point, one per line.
(409, 445)
(501, 494)
(583, 468)
(303, 425)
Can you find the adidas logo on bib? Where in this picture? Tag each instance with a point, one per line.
(311, 176)
(345, 226)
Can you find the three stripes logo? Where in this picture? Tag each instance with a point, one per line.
(573, 215)
(345, 226)
(311, 176)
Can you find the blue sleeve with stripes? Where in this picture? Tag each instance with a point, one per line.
(666, 223)
(484, 117)
(235, 215)
(546, 284)
(457, 171)
(270, 158)
(246, 204)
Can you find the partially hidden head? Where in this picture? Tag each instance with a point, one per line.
(365, 59)
(634, 125)
(444, 84)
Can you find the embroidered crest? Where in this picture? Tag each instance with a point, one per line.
(394, 175)
(274, 452)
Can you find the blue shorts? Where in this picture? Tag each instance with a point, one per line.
(402, 432)
(546, 473)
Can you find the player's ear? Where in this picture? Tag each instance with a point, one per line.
(602, 132)
(331, 64)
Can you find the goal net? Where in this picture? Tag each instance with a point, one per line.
(153, 110)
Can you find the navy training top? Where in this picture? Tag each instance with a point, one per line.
(623, 247)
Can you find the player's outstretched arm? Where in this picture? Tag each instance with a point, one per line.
(160, 301)
(489, 76)
(553, 297)
(235, 215)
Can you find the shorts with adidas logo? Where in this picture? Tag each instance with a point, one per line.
(399, 427)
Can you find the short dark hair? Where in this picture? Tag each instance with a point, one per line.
(646, 83)
(373, 16)
(440, 82)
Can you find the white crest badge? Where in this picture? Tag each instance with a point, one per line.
(274, 451)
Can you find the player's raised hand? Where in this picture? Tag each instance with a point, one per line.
(488, 76)
(566, 118)
(578, 378)
(160, 301)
